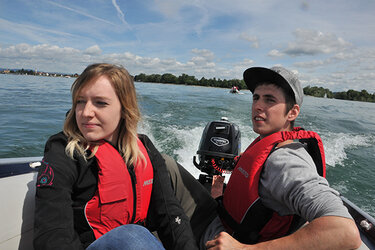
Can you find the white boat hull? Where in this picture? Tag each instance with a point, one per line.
(17, 212)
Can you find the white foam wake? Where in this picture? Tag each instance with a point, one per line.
(336, 145)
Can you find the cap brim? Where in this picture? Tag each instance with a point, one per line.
(255, 75)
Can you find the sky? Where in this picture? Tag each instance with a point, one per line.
(327, 43)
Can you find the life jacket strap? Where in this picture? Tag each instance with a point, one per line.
(247, 231)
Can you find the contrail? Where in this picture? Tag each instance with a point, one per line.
(80, 12)
(120, 14)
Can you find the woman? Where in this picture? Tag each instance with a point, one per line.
(99, 178)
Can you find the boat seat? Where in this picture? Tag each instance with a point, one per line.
(17, 211)
(17, 191)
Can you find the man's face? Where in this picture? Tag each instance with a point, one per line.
(269, 110)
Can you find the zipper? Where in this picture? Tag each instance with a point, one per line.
(134, 182)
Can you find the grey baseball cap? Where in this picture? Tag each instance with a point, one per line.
(276, 75)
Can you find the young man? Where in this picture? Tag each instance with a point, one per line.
(279, 180)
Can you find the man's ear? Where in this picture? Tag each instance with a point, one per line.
(293, 113)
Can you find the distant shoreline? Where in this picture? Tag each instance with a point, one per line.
(36, 73)
(184, 79)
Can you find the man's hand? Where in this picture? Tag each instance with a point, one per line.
(217, 186)
(328, 232)
(225, 241)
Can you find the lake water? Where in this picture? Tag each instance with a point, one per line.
(33, 108)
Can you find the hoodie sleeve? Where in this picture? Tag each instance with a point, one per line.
(54, 225)
(290, 184)
(165, 214)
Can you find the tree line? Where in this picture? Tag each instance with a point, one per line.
(185, 79)
(190, 80)
(33, 72)
(352, 95)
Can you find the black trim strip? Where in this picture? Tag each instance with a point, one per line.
(17, 166)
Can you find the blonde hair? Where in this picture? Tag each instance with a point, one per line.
(124, 87)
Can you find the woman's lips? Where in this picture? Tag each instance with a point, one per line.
(89, 125)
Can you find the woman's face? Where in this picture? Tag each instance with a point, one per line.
(98, 110)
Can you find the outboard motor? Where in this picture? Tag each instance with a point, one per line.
(220, 144)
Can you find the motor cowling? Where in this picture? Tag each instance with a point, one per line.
(219, 146)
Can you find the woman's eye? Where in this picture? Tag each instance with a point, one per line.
(80, 101)
(101, 103)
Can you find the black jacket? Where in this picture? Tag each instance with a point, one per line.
(64, 186)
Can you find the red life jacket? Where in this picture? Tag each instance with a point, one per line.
(246, 217)
(123, 193)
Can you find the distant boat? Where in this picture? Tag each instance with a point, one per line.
(234, 90)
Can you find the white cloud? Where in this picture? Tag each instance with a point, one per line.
(309, 64)
(312, 42)
(245, 63)
(252, 39)
(204, 53)
(41, 51)
(46, 57)
(235, 71)
(202, 62)
(275, 53)
(93, 50)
